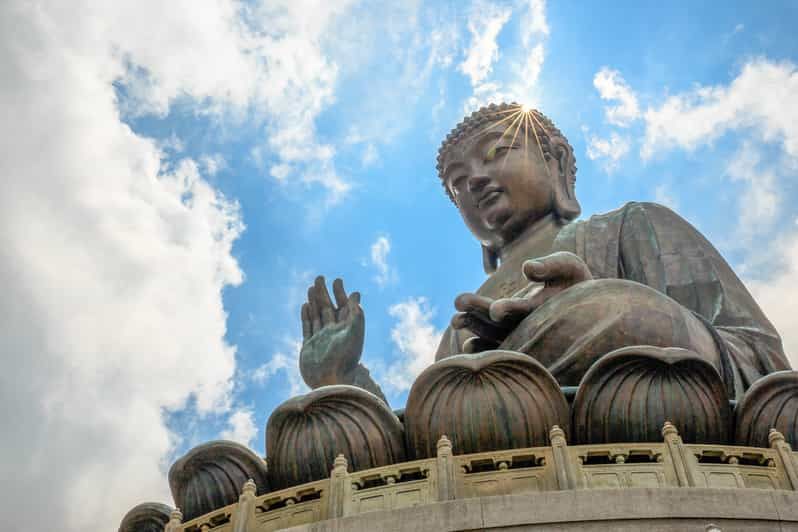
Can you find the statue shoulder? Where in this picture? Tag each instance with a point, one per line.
(649, 213)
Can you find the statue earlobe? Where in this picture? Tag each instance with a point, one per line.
(490, 260)
(565, 202)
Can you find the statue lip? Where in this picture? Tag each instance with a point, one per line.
(489, 196)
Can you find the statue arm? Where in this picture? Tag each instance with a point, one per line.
(659, 248)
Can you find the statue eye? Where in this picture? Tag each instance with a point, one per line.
(498, 150)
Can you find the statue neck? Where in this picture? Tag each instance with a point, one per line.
(535, 240)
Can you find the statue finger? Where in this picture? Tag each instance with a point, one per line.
(307, 324)
(560, 266)
(510, 311)
(340, 294)
(313, 309)
(352, 307)
(479, 326)
(324, 302)
(475, 344)
(473, 303)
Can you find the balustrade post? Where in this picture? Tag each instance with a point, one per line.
(445, 470)
(683, 464)
(175, 521)
(339, 488)
(245, 512)
(784, 452)
(563, 468)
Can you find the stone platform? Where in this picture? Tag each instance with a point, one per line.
(667, 485)
(634, 509)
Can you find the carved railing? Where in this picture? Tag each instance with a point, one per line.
(670, 463)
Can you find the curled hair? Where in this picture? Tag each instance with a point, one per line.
(552, 143)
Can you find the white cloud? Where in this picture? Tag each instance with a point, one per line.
(369, 152)
(608, 151)
(612, 87)
(263, 61)
(774, 294)
(212, 164)
(517, 80)
(370, 155)
(416, 339)
(241, 427)
(286, 361)
(485, 22)
(759, 204)
(762, 98)
(534, 21)
(112, 260)
(379, 260)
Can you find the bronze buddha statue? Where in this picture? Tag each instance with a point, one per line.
(606, 327)
(565, 292)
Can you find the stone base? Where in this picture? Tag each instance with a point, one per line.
(659, 509)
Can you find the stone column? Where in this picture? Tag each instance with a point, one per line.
(339, 488)
(563, 468)
(445, 470)
(175, 521)
(784, 451)
(245, 512)
(683, 464)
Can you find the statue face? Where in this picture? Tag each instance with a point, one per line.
(500, 184)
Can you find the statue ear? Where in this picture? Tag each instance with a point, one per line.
(565, 203)
(490, 260)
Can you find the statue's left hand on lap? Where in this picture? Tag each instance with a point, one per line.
(491, 320)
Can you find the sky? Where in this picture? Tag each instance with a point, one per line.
(175, 175)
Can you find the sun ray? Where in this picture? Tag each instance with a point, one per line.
(511, 114)
(518, 117)
(526, 140)
(540, 146)
(517, 129)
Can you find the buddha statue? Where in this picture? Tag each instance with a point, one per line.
(565, 292)
(606, 327)
(568, 292)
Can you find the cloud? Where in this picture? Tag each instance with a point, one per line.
(416, 339)
(379, 260)
(286, 360)
(241, 427)
(763, 98)
(370, 155)
(263, 61)
(772, 293)
(608, 151)
(534, 21)
(759, 204)
(212, 164)
(114, 251)
(485, 21)
(517, 80)
(612, 87)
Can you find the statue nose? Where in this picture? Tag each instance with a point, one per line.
(476, 183)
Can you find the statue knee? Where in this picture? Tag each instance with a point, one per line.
(571, 331)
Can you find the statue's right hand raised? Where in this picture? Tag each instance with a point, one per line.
(332, 335)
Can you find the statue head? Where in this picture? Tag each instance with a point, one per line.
(505, 167)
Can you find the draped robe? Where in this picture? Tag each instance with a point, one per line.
(691, 298)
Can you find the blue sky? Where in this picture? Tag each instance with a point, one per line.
(178, 176)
